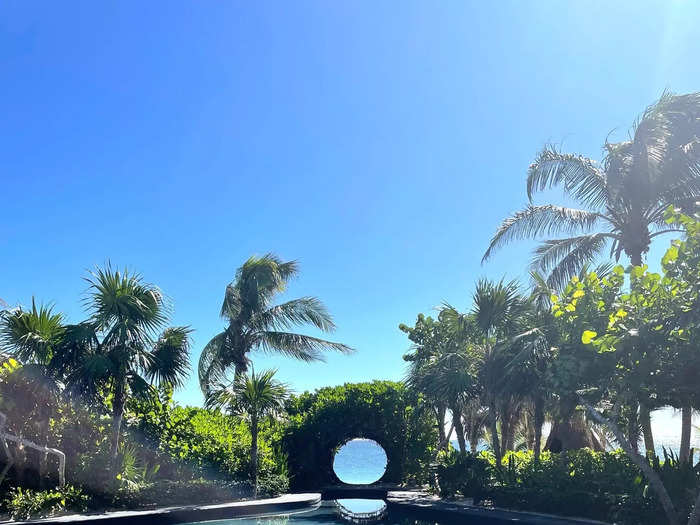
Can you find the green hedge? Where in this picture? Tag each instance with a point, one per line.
(384, 411)
(596, 485)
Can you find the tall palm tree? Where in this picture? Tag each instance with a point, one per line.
(622, 201)
(255, 322)
(118, 349)
(255, 397)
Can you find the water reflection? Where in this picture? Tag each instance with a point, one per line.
(361, 511)
(362, 506)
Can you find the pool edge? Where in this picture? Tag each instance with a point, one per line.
(189, 513)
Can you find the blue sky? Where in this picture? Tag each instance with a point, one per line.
(379, 143)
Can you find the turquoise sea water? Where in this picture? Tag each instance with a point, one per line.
(360, 462)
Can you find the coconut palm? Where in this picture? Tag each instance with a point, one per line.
(622, 201)
(255, 397)
(256, 323)
(119, 349)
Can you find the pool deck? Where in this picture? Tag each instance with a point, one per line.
(287, 503)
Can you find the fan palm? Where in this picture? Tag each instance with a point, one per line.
(118, 350)
(254, 322)
(255, 397)
(32, 337)
(622, 201)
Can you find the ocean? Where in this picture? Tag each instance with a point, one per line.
(360, 462)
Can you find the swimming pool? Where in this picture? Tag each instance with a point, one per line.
(330, 512)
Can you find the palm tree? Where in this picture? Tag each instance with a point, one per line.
(431, 341)
(118, 349)
(32, 337)
(622, 200)
(255, 397)
(496, 316)
(254, 322)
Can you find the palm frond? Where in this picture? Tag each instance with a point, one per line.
(305, 310)
(497, 305)
(579, 176)
(170, 357)
(302, 347)
(212, 365)
(537, 221)
(255, 395)
(119, 297)
(571, 264)
(550, 254)
(31, 335)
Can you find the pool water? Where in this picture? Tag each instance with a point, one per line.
(326, 514)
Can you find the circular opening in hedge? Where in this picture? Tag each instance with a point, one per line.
(360, 462)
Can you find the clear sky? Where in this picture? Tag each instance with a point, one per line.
(379, 143)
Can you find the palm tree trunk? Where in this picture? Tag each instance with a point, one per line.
(459, 429)
(254, 453)
(645, 421)
(118, 402)
(440, 416)
(539, 422)
(493, 417)
(686, 425)
(505, 431)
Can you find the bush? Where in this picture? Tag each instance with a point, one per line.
(23, 504)
(190, 492)
(271, 485)
(467, 474)
(191, 443)
(583, 483)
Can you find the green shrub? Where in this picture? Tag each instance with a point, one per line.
(596, 485)
(169, 493)
(271, 485)
(23, 504)
(466, 474)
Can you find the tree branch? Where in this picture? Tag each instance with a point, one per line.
(5, 437)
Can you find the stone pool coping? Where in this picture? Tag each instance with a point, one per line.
(187, 513)
(432, 506)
